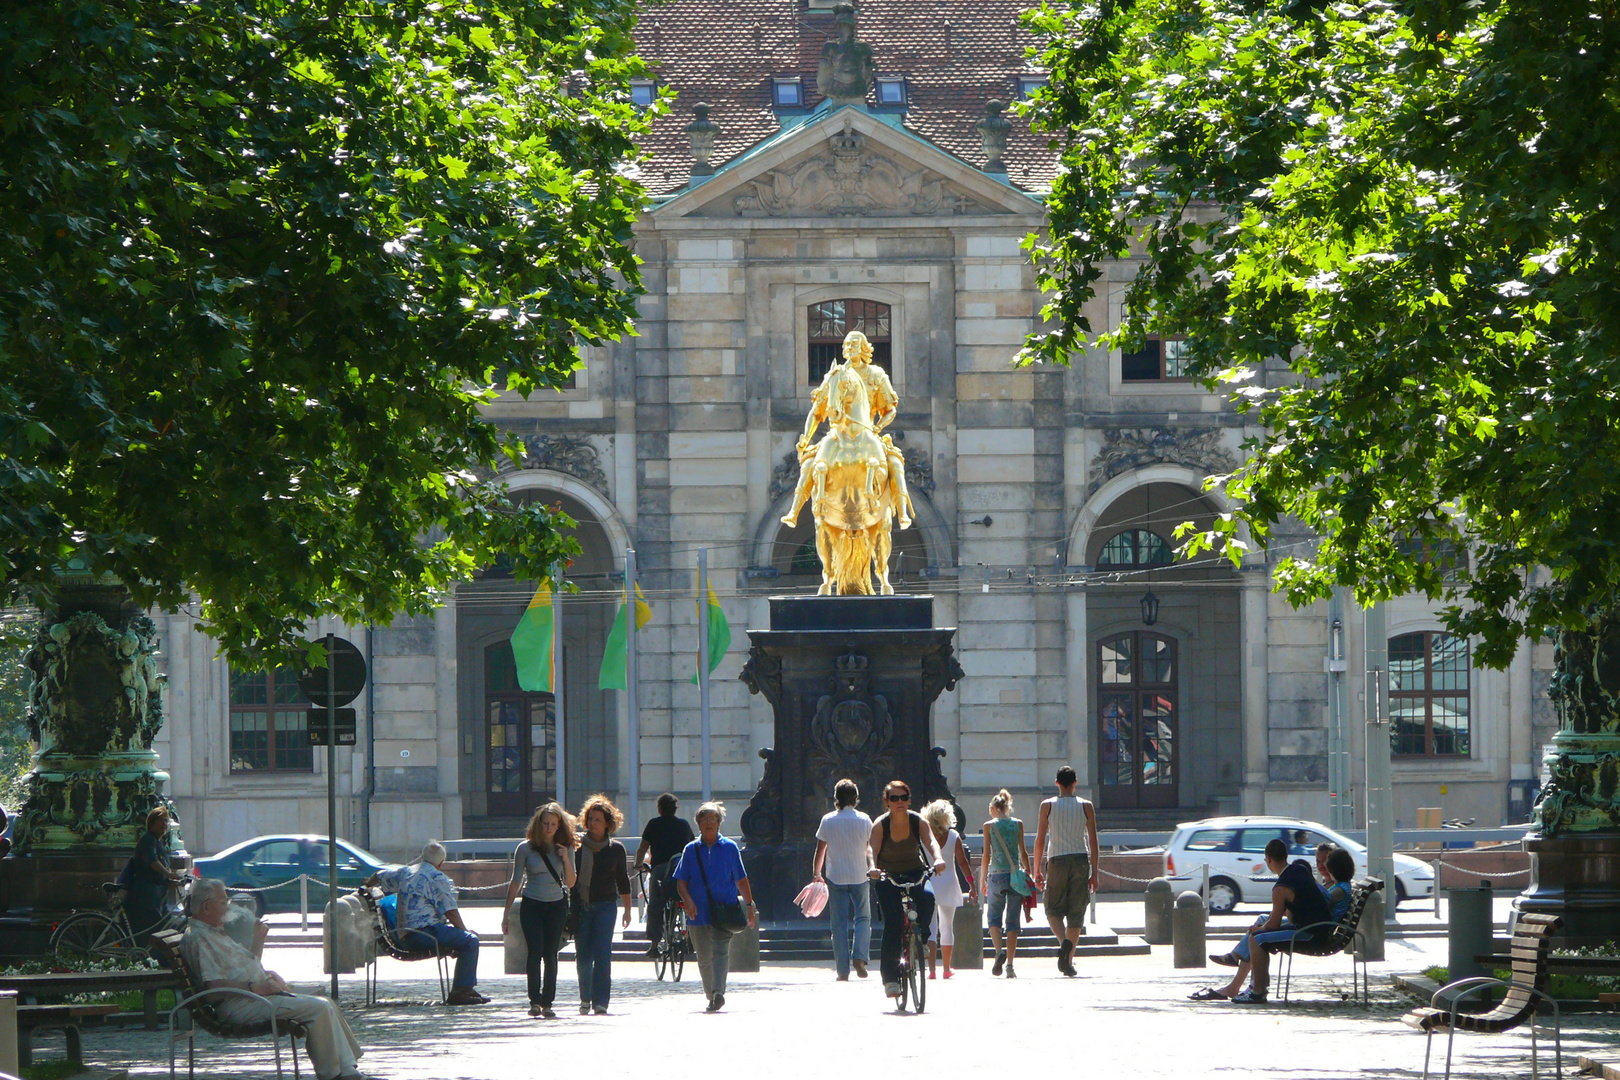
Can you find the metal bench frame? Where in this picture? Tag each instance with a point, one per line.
(1347, 935)
(391, 941)
(200, 1013)
(1529, 979)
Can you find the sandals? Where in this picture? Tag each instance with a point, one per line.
(1208, 993)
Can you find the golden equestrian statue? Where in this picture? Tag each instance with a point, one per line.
(854, 478)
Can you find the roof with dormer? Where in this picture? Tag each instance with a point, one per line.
(953, 54)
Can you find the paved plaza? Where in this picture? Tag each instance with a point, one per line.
(1123, 1017)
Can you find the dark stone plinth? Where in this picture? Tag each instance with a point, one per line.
(852, 700)
(47, 887)
(852, 613)
(1576, 877)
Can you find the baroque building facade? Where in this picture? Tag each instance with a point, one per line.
(1046, 498)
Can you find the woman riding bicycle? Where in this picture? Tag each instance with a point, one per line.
(903, 850)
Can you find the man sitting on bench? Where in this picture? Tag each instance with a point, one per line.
(428, 913)
(218, 960)
(1296, 896)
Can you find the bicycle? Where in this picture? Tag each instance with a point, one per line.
(914, 954)
(108, 935)
(673, 946)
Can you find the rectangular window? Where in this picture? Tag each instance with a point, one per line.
(269, 723)
(787, 93)
(1158, 360)
(1428, 695)
(891, 91)
(1028, 84)
(832, 319)
(642, 92)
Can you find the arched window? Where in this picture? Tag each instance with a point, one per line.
(830, 320)
(1428, 695)
(1135, 547)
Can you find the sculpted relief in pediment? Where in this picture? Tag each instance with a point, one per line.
(850, 179)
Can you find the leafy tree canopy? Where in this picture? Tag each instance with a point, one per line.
(261, 262)
(1390, 230)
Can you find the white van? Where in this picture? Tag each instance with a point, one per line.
(1234, 850)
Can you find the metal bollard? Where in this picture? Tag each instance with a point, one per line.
(303, 904)
(1188, 926)
(1157, 900)
(1469, 931)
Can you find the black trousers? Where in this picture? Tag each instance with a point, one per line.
(658, 892)
(888, 895)
(543, 922)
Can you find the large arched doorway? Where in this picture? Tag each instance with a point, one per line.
(511, 734)
(1138, 676)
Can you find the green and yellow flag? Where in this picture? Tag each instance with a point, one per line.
(615, 658)
(719, 631)
(531, 643)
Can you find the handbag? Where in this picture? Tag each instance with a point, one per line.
(727, 916)
(1019, 880)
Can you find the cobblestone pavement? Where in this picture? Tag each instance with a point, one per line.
(1124, 1017)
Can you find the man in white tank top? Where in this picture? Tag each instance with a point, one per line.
(1065, 866)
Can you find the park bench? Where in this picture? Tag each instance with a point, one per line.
(1346, 936)
(63, 1018)
(407, 945)
(198, 1002)
(1532, 936)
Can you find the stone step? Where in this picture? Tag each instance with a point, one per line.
(1604, 1065)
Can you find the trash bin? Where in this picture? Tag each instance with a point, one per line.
(1470, 931)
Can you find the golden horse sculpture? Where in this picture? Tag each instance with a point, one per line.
(854, 479)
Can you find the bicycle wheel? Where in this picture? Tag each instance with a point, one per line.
(918, 975)
(678, 940)
(661, 955)
(91, 935)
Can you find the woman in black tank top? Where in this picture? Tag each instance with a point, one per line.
(903, 848)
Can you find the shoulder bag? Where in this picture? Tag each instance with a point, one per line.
(576, 906)
(1019, 882)
(728, 916)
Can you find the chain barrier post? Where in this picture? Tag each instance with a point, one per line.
(303, 901)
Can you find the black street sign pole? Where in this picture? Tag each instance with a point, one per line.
(331, 808)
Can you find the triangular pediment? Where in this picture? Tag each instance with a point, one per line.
(848, 163)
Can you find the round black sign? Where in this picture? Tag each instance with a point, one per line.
(348, 675)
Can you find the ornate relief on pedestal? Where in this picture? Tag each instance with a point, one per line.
(851, 733)
(851, 181)
(1125, 449)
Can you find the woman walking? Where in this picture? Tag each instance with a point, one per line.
(947, 890)
(1003, 834)
(903, 850)
(543, 867)
(602, 881)
(718, 899)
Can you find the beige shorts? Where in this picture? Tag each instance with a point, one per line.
(1068, 887)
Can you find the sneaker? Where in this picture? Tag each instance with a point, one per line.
(652, 950)
(1225, 959)
(844, 977)
(716, 1003)
(1001, 962)
(1250, 997)
(465, 995)
(584, 1010)
(892, 989)
(545, 1011)
(860, 968)
(1065, 963)
(600, 1010)
(1011, 974)
(535, 1010)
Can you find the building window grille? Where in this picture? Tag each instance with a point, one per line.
(1428, 695)
(269, 718)
(1135, 547)
(830, 320)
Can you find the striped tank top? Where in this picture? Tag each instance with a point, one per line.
(1066, 827)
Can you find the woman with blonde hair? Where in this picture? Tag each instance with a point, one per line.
(543, 868)
(603, 880)
(1003, 834)
(941, 817)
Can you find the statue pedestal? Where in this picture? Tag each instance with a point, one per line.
(852, 681)
(1576, 877)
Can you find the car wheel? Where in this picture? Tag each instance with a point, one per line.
(1400, 894)
(243, 892)
(1223, 896)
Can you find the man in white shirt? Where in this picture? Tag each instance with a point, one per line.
(843, 845)
(218, 961)
(427, 909)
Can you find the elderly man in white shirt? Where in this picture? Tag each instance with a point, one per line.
(843, 846)
(218, 960)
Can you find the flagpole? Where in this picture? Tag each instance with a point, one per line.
(633, 756)
(703, 665)
(559, 727)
